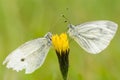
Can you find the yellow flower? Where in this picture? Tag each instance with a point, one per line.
(61, 46)
(60, 43)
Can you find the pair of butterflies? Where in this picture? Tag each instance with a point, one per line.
(93, 37)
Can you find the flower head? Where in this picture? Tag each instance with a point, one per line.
(60, 43)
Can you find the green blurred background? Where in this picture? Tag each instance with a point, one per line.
(23, 20)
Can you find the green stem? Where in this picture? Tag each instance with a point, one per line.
(63, 59)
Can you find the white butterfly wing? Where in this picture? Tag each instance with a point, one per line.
(94, 36)
(29, 56)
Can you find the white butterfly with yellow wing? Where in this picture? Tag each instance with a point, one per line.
(29, 56)
(93, 36)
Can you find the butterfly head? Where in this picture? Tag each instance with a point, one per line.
(49, 37)
(71, 30)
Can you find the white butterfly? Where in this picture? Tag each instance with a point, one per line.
(30, 55)
(94, 36)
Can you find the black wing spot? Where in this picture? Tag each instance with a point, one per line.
(22, 59)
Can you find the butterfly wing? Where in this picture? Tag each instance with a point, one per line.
(28, 56)
(94, 36)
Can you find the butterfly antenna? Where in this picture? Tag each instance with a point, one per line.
(66, 19)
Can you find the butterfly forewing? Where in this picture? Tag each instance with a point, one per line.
(94, 36)
(29, 56)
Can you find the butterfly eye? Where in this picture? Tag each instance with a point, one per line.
(22, 59)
